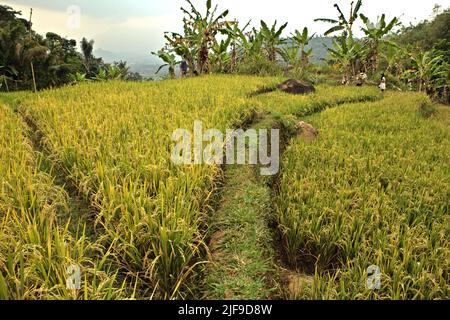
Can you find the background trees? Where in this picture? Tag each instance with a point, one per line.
(56, 60)
(412, 57)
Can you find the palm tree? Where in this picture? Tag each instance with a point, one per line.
(375, 32)
(343, 23)
(272, 39)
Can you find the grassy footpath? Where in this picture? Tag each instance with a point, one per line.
(241, 241)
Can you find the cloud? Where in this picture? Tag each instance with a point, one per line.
(138, 34)
(138, 25)
(106, 9)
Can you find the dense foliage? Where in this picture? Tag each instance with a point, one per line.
(27, 57)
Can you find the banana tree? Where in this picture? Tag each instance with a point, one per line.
(170, 61)
(250, 44)
(114, 72)
(290, 55)
(302, 39)
(78, 77)
(375, 33)
(220, 56)
(346, 54)
(429, 70)
(343, 23)
(272, 40)
(201, 31)
(102, 75)
(239, 43)
(184, 48)
(393, 56)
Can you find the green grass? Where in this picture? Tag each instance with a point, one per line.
(242, 253)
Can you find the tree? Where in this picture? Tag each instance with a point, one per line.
(302, 39)
(220, 57)
(345, 53)
(272, 40)
(430, 71)
(393, 57)
(343, 23)
(92, 65)
(200, 32)
(375, 33)
(295, 54)
(170, 61)
(428, 35)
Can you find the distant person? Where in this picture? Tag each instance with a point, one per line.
(383, 83)
(344, 81)
(361, 79)
(184, 68)
(364, 77)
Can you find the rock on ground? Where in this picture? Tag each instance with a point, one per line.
(307, 131)
(296, 87)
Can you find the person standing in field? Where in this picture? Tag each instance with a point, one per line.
(184, 68)
(383, 83)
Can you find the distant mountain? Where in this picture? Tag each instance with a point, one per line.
(319, 46)
(146, 65)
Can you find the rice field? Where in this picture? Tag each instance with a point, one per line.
(141, 229)
(372, 190)
(36, 247)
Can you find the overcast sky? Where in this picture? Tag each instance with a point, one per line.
(137, 26)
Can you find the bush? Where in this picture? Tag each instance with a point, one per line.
(427, 109)
(259, 66)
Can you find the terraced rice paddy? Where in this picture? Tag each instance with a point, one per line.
(373, 189)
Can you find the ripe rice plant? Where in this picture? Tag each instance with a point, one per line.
(112, 142)
(36, 247)
(116, 147)
(372, 190)
(325, 97)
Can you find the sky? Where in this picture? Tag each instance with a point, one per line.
(137, 26)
